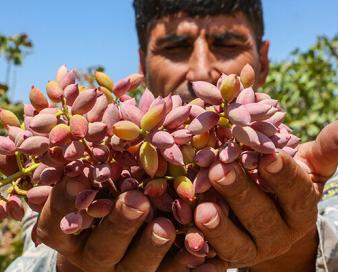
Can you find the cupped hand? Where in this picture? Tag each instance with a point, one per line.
(271, 233)
(115, 244)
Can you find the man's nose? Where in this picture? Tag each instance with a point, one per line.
(201, 63)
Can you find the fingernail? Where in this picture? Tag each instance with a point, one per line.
(207, 215)
(131, 213)
(213, 223)
(276, 165)
(162, 231)
(206, 268)
(158, 239)
(228, 179)
(133, 204)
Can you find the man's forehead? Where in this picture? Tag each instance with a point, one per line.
(182, 24)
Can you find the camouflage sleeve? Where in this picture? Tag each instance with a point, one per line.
(33, 259)
(327, 225)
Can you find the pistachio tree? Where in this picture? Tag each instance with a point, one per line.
(306, 84)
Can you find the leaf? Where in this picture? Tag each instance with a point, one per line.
(306, 85)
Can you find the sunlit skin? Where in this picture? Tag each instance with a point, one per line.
(182, 49)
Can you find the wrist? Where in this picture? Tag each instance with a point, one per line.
(301, 257)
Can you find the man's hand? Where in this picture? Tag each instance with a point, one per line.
(275, 234)
(108, 247)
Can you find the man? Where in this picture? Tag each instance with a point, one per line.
(180, 42)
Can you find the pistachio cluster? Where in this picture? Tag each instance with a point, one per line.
(101, 143)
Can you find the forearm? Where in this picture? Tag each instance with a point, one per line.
(301, 257)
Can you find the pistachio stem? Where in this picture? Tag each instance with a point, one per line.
(19, 161)
(65, 109)
(25, 171)
(169, 178)
(89, 151)
(225, 109)
(18, 190)
(59, 113)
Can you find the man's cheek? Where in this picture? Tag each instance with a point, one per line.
(153, 87)
(164, 77)
(153, 76)
(170, 84)
(160, 83)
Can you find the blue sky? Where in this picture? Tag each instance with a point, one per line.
(87, 33)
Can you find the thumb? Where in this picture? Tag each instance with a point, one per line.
(322, 154)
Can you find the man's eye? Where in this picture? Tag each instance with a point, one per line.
(177, 47)
(227, 46)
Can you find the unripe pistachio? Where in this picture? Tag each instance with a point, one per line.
(84, 102)
(247, 76)
(8, 118)
(149, 158)
(60, 135)
(104, 80)
(38, 100)
(126, 130)
(184, 188)
(54, 91)
(153, 117)
(207, 92)
(156, 187)
(146, 99)
(230, 87)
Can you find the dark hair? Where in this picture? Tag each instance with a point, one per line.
(146, 11)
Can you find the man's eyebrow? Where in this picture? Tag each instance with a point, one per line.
(173, 38)
(226, 36)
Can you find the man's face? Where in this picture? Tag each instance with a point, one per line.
(182, 49)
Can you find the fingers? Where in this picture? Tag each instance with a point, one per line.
(213, 265)
(254, 209)
(293, 187)
(181, 262)
(322, 154)
(58, 204)
(230, 243)
(189, 260)
(109, 241)
(147, 253)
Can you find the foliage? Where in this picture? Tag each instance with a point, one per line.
(13, 49)
(87, 76)
(306, 85)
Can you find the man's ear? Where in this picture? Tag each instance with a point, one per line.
(264, 63)
(142, 59)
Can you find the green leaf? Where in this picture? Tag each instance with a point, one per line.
(306, 84)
